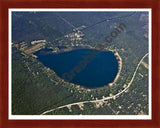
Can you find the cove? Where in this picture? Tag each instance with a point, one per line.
(100, 71)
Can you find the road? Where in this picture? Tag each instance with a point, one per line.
(106, 98)
(108, 19)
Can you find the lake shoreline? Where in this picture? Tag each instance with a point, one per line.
(118, 58)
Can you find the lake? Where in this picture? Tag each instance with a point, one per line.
(89, 68)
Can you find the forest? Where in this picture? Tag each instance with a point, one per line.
(36, 88)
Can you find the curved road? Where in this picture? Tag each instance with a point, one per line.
(101, 100)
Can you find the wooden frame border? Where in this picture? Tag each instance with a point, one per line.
(6, 4)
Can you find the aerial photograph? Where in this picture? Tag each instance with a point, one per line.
(79, 62)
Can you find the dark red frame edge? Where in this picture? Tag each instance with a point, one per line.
(6, 4)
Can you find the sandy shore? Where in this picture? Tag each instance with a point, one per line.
(119, 59)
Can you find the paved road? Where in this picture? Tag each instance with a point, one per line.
(101, 100)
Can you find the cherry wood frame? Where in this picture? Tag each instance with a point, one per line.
(6, 4)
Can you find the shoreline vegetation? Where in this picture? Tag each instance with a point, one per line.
(119, 60)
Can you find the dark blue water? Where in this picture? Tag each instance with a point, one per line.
(86, 67)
